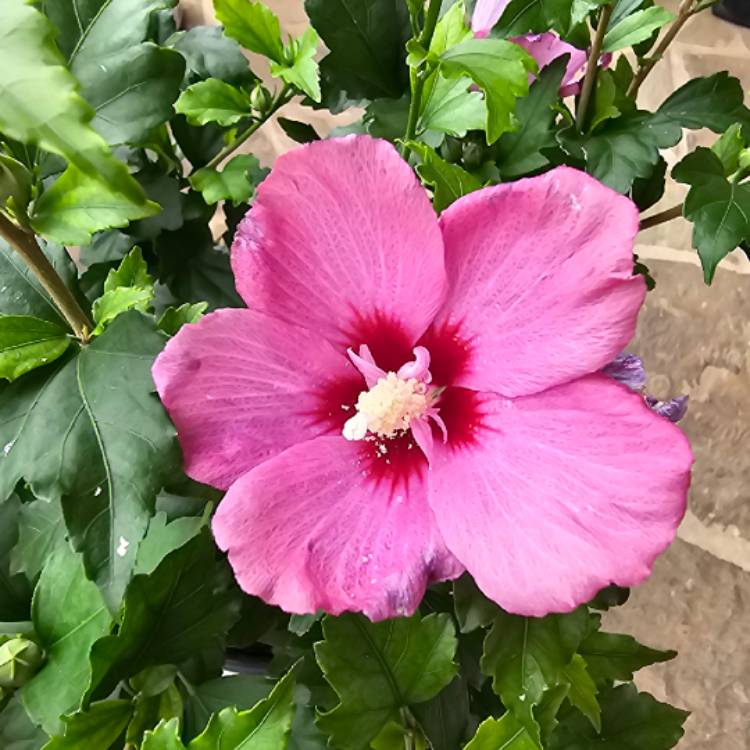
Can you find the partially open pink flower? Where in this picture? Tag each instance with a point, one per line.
(410, 397)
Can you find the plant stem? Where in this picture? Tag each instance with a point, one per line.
(283, 98)
(417, 78)
(685, 11)
(592, 66)
(662, 217)
(25, 244)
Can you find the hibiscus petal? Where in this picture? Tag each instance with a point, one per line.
(540, 280)
(310, 530)
(486, 14)
(342, 232)
(561, 494)
(241, 387)
(547, 47)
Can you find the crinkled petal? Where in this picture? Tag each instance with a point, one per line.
(342, 231)
(561, 494)
(310, 530)
(241, 387)
(486, 14)
(541, 289)
(547, 47)
(627, 369)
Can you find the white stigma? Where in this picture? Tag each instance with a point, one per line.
(388, 407)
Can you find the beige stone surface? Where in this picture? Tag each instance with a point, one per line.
(694, 340)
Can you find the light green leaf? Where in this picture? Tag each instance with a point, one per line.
(452, 107)
(27, 343)
(69, 616)
(266, 726)
(500, 68)
(132, 271)
(582, 693)
(729, 147)
(449, 181)
(166, 736)
(213, 101)
(162, 538)
(300, 68)
(174, 318)
(502, 734)
(611, 656)
(236, 182)
(96, 728)
(78, 205)
(55, 117)
(451, 29)
(378, 668)
(41, 532)
(17, 732)
(15, 183)
(253, 25)
(114, 445)
(629, 720)
(527, 656)
(636, 28)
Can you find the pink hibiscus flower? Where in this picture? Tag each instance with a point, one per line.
(410, 397)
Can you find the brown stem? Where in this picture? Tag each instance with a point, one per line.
(592, 66)
(684, 12)
(662, 217)
(25, 244)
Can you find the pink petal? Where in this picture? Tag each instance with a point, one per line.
(341, 232)
(546, 48)
(541, 289)
(486, 14)
(241, 387)
(309, 530)
(561, 494)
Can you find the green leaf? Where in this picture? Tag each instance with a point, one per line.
(452, 107)
(500, 68)
(169, 615)
(301, 132)
(213, 101)
(265, 726)
(253, 25)
(174, 318)
(445, 718)
(473, 609)
(451, 29)
(636, 28)
(78, 205)
(611, 656)
(378, 668)
(630, 721)
(527, 656)
(645, 192)
(55, 117)
(718, 208)
(729, 147)
(69, 616)
(166, 736)
(15, 594)
(366, 41)
(502, 734)
(622, 9)
(301, 69)
(41, 532)
(115, 446)
(162, 538)
(582, 693)
(96, 728)
(27, 343)
(15, 183)
(209, 53)
(236, 182)
(606, 98)
(449, 181)
(714, 102)
(520, 152)
(17, 732)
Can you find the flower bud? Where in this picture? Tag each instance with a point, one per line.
(260, 98)
(20, 659)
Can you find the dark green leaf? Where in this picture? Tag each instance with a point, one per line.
(236, 182)
(647, 191)
(98, 727)
(301, 132)
(526, 656)
(41, 532)
(635, 28)
(209, 53)
(522, 16)
(582, 693)
(213, 101)
(175, 317)
(15, 595)
(27, 343)
(301, 69)
(199, 145)
(253, 25)
(449, 181)
(718, 208)
(506, 733)
(170, 615)
(630, 721)
(366, 41)
(114, 445)
(500, 68)
(520, 152)
(17, 732)
(473, 609)
(610, 656)
(378, 668)
(445, 718)
(165, 190)
(69, 616)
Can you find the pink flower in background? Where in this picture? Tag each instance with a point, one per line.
(410, 397)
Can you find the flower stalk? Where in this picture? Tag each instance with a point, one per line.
(592, 66)
(25, 244)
